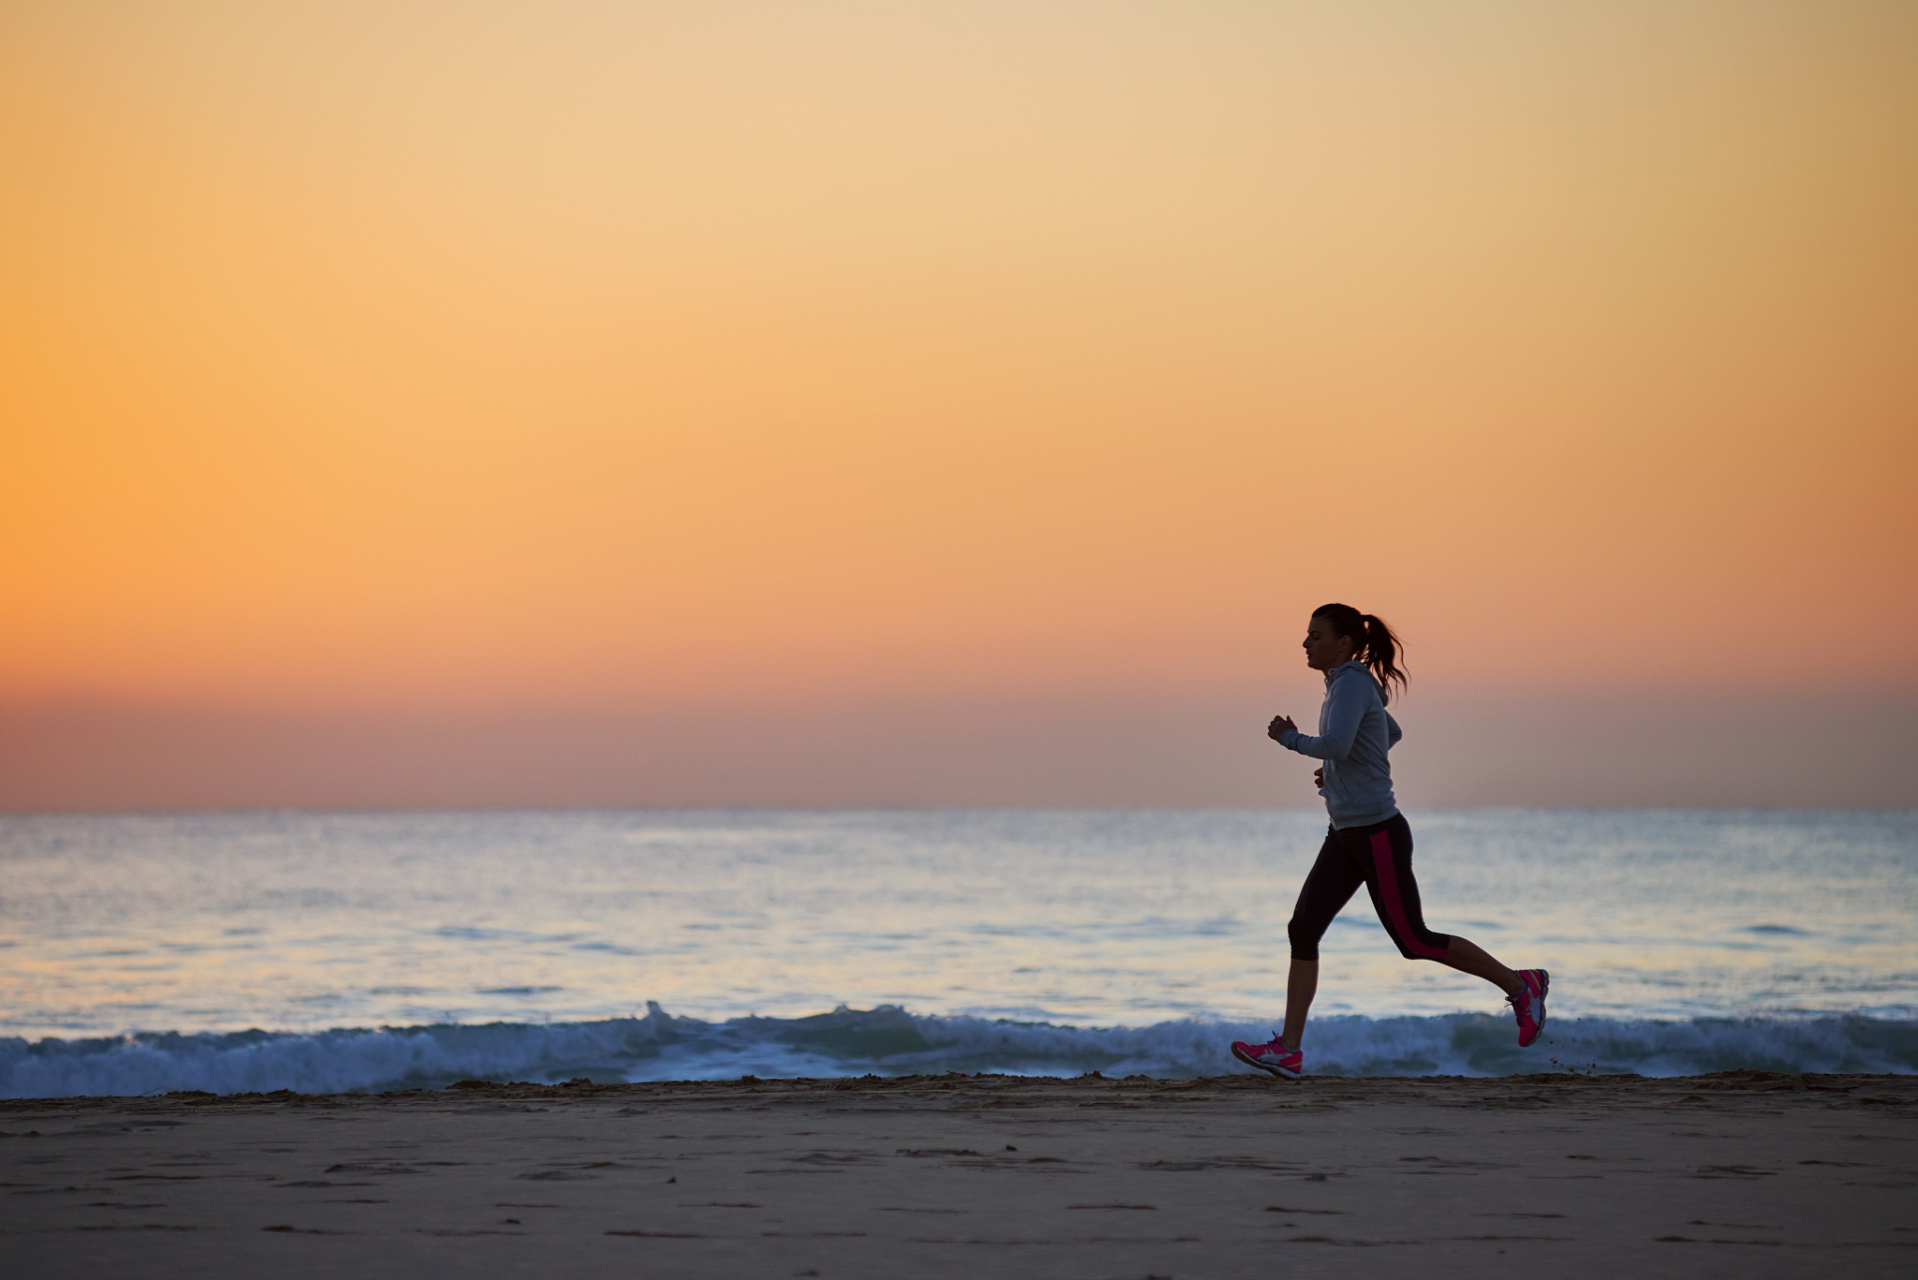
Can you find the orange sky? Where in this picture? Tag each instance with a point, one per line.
(429, 354)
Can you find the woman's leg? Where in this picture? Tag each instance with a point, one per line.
(1301, 984)
(1395, 895)
(1333, 880)
(1466, 957)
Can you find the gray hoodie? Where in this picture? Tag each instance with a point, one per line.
(1355, 733)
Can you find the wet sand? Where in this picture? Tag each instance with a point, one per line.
(1742, 1174)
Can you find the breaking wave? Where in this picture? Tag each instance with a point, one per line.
(889, 1041)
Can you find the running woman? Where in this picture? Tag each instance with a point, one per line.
(1368, 842)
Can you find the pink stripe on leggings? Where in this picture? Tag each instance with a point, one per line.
(1389, 894)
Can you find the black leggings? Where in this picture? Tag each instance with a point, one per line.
(1380, 858)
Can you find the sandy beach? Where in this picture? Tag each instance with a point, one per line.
(1743, 1173)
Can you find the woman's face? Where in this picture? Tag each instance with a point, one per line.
(1325, 648)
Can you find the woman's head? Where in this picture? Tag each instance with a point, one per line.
(1338, 634)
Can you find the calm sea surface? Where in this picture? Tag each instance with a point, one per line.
(141, 950)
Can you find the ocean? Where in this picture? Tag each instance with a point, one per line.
(344, 952)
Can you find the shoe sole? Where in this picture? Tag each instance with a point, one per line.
(1280, 1072)
(1544, 986)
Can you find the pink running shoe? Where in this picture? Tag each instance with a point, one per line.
(1287, 1064)
(1529, 1004)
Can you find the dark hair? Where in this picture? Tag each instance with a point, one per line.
(1372, 643)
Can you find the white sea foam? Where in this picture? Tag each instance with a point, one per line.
(888, 1041)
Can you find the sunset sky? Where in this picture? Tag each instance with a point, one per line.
(528, 366)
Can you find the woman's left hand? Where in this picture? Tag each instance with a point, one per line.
(1278, 726)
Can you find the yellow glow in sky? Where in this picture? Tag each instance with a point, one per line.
(427, 353)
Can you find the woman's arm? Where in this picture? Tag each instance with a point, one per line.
(1345, 708)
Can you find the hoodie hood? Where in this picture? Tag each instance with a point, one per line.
(1385, 698)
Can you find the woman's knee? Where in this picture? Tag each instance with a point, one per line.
(1430, 946)
(1304, 938)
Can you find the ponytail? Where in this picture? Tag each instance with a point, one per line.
(1373, 644)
